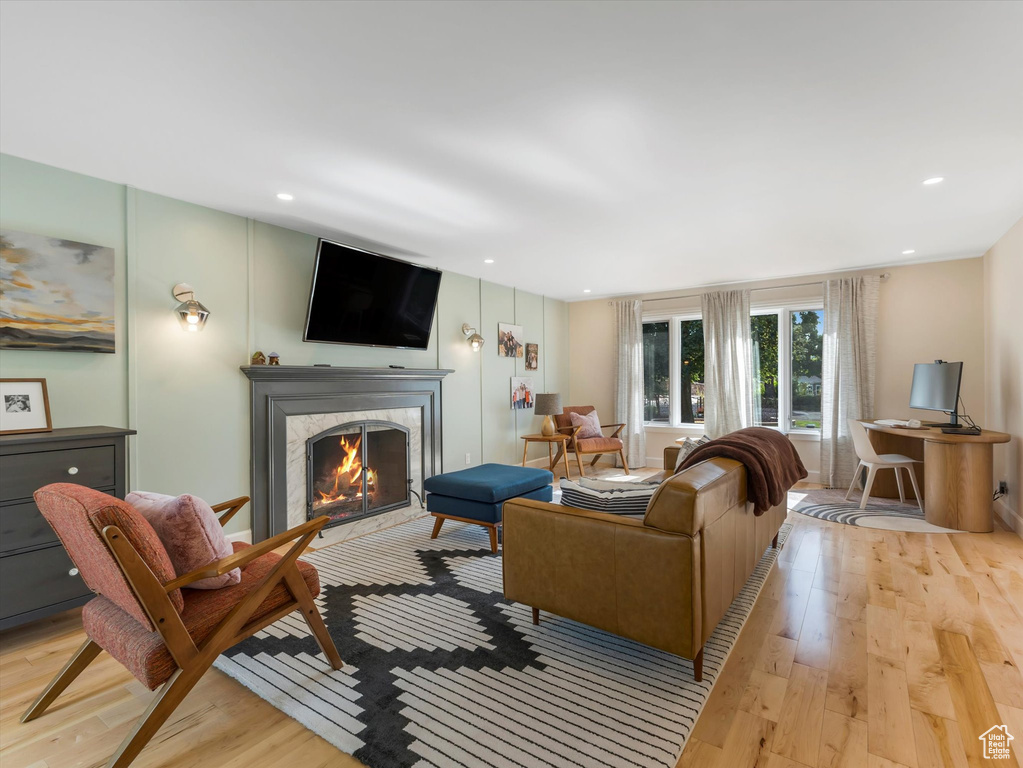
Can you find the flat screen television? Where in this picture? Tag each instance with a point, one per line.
(936, 388)
(364, 298)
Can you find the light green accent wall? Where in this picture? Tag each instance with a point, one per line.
(192, 401)
(187, 398)
(84, 388)
(458, 303)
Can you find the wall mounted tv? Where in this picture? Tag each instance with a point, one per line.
(364, 298)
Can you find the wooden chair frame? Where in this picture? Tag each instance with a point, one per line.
(193, 661)
(573, 445)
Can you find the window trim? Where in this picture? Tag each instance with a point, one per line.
(784, 312)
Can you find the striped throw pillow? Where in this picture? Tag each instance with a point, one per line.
(688, 447)
(628, 499)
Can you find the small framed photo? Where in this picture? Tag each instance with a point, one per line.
(24, 406)
(532, 356)
(523, 395)
(509, 340)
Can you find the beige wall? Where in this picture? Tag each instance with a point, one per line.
(926, 312)
(1003, 349)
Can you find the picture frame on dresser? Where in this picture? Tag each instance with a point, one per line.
(24, 407)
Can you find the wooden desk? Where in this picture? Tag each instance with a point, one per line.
(955, 474)
(558, 437)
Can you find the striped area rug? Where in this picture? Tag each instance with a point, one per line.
(441, 671)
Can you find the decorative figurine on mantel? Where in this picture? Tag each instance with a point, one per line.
(275, 359)
(258, 358)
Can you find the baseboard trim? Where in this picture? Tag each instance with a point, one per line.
(1013, 521)
(245, 537)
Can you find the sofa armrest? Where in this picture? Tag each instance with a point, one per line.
(670, 457)
(694, 498)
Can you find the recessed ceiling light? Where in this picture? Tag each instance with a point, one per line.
(586, 290)
(285, 196)
(488, 261)
(906, 253)
(934, 180)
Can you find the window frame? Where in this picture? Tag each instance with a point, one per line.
(784, 312)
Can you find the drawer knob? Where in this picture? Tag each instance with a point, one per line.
(73, 572)
(72, 470)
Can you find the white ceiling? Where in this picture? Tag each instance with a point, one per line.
(616, 146)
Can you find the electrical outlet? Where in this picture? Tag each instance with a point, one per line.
(1003, 487)
(468, 458)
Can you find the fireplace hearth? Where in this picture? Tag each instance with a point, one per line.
(357, 470)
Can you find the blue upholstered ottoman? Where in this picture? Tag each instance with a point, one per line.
(475, 495)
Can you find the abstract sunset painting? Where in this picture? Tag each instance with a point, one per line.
(55, 294)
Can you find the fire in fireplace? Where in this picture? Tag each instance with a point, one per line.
(357, 470)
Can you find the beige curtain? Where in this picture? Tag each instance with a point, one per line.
(629, 379)
(728, 363)
(847, 371)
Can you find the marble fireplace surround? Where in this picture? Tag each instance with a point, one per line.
(301, 427)
(293, 398)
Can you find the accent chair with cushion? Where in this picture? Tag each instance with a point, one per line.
(595, 445)
(148, 618)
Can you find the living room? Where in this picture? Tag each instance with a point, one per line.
(688, 434)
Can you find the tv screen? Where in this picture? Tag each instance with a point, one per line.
(935, 386)
(360, 297)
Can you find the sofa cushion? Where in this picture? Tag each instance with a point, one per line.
(488, 483)
(190, 531)
(589, 423)
(686, 447)
(629, 499)
(144, 653)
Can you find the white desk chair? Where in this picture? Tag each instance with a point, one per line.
(873, 462)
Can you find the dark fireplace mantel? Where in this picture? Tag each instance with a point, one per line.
(279, 391)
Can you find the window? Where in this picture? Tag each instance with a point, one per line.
(691, 372)
(786, 369)
(807, 351)
(764, 331)
(656, 373)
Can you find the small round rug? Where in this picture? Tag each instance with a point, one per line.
(883, 514)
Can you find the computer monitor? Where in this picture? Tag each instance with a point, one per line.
(936, 388)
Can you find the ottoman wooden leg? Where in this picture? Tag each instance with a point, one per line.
(437, 523)
(492, 530)
(536, 615)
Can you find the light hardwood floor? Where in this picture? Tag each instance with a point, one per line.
(865, 648)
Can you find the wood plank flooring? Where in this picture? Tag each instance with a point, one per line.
(865, 648)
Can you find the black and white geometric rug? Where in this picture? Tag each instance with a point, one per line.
(440, 670)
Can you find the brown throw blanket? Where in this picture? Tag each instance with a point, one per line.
(772, 464)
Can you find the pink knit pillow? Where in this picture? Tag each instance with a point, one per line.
(590, 422)
(191, 533)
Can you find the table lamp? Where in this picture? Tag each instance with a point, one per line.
(548, 404)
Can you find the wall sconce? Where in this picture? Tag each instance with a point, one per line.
(474, 339)
(190, 313)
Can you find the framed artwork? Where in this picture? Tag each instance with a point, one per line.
(24, 406)
(532, 356)
(522, 393)
(55, 294)
(509, 340)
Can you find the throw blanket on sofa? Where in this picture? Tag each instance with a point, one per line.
(772, 464)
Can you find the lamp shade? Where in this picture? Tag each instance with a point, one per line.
(548, 404)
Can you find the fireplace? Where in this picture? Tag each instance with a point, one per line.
(358, 469)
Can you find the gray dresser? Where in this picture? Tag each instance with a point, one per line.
(36, 576)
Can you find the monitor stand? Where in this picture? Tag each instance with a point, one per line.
(953, 421)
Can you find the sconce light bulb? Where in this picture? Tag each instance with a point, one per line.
(193, 318)
(475, 346)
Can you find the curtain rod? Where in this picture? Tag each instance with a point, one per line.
(883, 276)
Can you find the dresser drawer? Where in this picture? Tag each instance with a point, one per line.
(25, 473)
(37, 579)
(22, 526)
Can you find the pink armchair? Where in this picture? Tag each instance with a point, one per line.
(146, 617)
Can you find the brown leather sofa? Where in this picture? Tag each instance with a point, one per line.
(665, 580)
